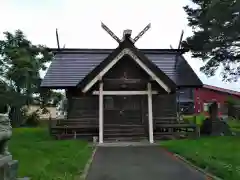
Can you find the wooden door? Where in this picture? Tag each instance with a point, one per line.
(123, 110)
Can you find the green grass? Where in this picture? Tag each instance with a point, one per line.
(220, 155)
(234, 124)
(43, 158)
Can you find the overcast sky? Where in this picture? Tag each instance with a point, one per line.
(78, 23)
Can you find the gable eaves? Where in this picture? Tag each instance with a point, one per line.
(126, 51)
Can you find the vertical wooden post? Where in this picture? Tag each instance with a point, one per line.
(50, 125)
(100, 112)
(150, 113)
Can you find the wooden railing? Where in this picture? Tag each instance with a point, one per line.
(88, 127)
(72, 128)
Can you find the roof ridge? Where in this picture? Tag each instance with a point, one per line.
(222, 89)
(105, 50)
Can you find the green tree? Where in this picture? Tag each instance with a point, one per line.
(48, 97)
(216, 36)
(57, 97)
(20, 64)
(9, 96)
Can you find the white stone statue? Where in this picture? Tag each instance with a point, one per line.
(5, 132)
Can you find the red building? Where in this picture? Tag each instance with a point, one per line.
(207, 94)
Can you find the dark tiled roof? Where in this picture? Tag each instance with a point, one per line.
(69, 69)
(70, 66)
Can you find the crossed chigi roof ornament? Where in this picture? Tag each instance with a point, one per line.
(126, 32)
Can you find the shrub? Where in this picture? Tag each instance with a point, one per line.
(33, 119)
(195, 119)
(234, 123)
(189, 119)
(199, 119)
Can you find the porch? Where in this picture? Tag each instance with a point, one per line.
(122, 116)
(79, 129)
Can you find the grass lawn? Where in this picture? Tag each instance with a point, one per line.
(235, 125)
(43, 158)
(220, 155)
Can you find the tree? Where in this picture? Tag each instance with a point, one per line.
(48, 97)
(216, 36)
(9, 96)
(57, 97)
(20, 63)
(233, 105)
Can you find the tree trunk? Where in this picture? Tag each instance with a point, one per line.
(16, 116)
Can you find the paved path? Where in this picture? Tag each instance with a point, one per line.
(139, 163)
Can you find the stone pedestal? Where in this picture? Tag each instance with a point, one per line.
(8, 168)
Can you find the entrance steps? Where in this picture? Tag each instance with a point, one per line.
(121, 133)
(126, 144)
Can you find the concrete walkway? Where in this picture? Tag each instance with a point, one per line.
(139, 163)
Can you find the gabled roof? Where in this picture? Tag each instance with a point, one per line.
(228, 91)
(70, 66)
(126, 48)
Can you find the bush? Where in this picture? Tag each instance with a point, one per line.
(199, 119)
(189, 119)
(234, 123)
(32, 119)
(194, 119)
